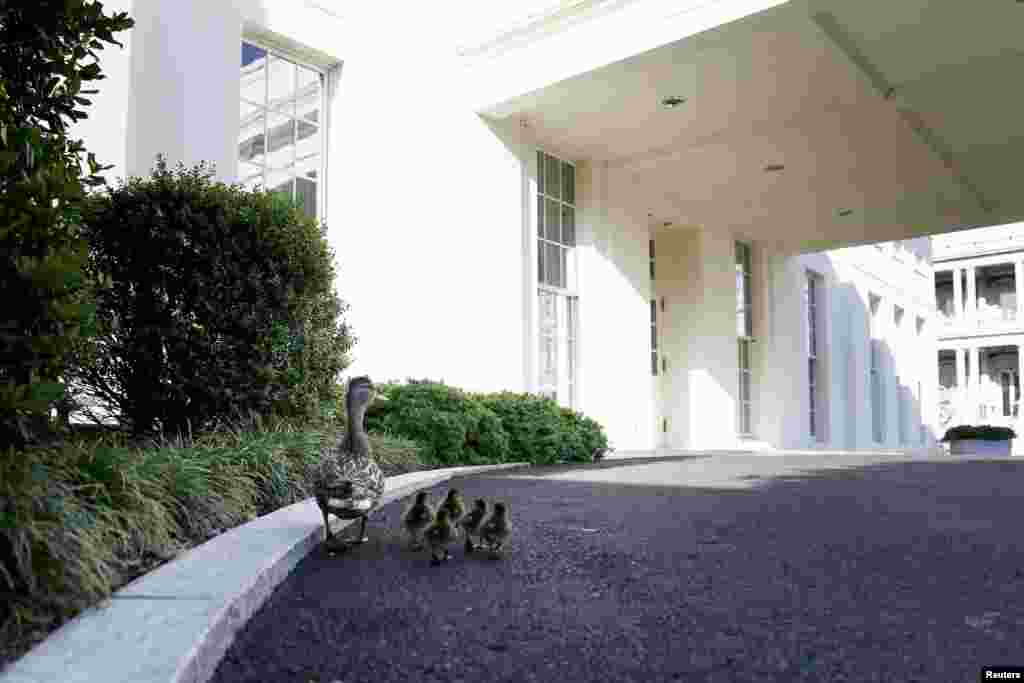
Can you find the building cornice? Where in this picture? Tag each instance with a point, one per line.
(967, 254)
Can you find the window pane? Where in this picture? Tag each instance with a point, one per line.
(281, 141)
(568, 183)
(553, 261)
(744, 354)
(746, 289)
(251, 145)
(541, 274)
(564, 272)
(744, 386)
(741, 324)
(305, 193)
(748, 322)
(654, 362)
(552, 178)
(650, 248)
(308, 94)
(251, 53)
(540, 171)
(281, 85)
(552, 220)
(654, 311)
(741, 298)
(569, 226)
(654, 337)
(540, 216)
(813, 426)
(812, 372)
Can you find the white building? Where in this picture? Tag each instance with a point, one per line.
(493, 175)
(980, 329)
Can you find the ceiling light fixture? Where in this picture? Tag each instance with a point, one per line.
(672, 102)
(844, 212)
(774, 167)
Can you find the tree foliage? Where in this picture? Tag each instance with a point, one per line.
(48, 50)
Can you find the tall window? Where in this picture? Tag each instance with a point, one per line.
(654, 337)
(280, 143)
(654, 313)
(745, 337)
(877, 395)
(902, 409)
(812, 295)
(556, 276)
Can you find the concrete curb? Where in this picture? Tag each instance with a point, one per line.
(174, 624)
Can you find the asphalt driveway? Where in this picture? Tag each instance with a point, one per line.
(727, 568)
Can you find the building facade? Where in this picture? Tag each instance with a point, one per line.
(980, 327)
(662, 215)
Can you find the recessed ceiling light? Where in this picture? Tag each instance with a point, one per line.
(672, 102)
(844, 212)
(774, 167)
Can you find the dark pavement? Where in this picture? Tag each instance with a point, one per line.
(729, 568)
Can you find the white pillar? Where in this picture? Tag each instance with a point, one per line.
(961, 384)
(958, 294)
(1015, 393)
(974, 389)
(1018, 276)
(184, 85)
(972, 292)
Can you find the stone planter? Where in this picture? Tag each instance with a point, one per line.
(980, 447)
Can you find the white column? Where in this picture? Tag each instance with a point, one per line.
(958, 294)
(1018, 276)
(184, 85)
(1015, 397)
(972, 292)
(961, 384)
(974, 390)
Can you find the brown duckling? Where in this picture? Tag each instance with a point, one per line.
(454, 505)
(438, 536)
(417, 518)
(496, 530)
(470, 524)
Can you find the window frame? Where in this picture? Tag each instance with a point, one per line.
(569, 293)
(743, 262)
(321, 123)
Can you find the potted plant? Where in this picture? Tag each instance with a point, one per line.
(979, 440)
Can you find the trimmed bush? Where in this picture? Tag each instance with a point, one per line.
(220, 303)
(457, 427)
(542, 432)
(452, 426)
(980, 432)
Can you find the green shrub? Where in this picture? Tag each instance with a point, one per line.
(456, 427)
(220, 303)
(453, 427)
(540, 431)
(982, 432)
(47, 52)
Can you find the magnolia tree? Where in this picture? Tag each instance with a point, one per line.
(48, 51)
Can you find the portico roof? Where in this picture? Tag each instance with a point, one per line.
(889, 120)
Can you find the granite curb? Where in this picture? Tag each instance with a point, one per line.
(174, 624)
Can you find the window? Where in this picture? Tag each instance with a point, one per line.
(877, 395)
(654, 337)
(650, 249)
(280, 138)
(812, 296)
(744, 336)
(556, 277)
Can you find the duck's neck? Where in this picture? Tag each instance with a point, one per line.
(356, 441)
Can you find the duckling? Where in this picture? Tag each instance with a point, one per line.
(438, 535)
(495, 531)
(454, 505)
(470, 524)
(417, 518)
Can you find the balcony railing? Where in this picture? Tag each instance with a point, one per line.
(986, 316)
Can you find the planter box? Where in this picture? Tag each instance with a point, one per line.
(980, 447)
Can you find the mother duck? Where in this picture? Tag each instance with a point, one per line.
(348, 483)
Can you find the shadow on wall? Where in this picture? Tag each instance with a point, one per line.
(882, 387)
